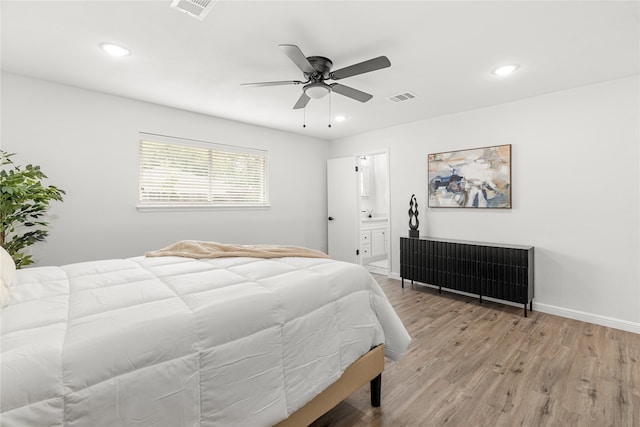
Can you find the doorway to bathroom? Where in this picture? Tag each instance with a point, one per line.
(373, 206)
(358, 211)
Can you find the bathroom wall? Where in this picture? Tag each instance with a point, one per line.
(377, 200)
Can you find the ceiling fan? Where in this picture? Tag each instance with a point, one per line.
(317, 69)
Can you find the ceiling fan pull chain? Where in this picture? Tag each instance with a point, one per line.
(304, 117)
(329, 109)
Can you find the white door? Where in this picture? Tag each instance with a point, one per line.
(342, 208)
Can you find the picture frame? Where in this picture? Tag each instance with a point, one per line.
(476, 178)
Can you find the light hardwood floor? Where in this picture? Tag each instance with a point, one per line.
(473, 364)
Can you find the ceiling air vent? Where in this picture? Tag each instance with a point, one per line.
(196, 8)
(403, 97)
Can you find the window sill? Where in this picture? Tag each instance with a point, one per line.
(196, 208)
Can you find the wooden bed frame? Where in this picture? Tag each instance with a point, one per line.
(367, 368)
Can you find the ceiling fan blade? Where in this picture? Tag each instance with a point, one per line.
(362, 67)
(279, 83)
(302, 101)
(350, 92)
(295, 54)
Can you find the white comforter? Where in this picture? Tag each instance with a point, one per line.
(180, 342)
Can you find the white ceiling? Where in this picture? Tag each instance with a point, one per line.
(441, 51)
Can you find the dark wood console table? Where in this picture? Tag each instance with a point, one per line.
(503, 272)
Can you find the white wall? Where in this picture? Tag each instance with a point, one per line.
(575, 192)
(379, 177)
(87, 144)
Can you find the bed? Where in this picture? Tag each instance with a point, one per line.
(178, 341)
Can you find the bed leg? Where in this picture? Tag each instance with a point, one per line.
(376, 390)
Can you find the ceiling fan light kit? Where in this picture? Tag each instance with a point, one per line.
(316, 90)
(317, 69)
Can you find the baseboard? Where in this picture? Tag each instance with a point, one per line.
(376, 270)
(582, 316)
(596, 319)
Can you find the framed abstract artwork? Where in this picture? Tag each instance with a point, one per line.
(475, 178)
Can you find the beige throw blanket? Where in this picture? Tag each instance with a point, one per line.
(199, 250)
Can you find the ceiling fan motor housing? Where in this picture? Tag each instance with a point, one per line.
(322, 66)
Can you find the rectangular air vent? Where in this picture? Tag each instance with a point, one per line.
(403, 97)
(196, 8)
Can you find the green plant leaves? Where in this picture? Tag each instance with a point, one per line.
(23, 201)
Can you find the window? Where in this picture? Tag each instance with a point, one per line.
(177, 172)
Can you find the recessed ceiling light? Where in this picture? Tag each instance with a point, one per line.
(114, 49)
(340, 118)
(505, 70)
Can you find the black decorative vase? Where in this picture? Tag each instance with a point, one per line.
(413, 217)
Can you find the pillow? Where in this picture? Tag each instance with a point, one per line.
(7, 271)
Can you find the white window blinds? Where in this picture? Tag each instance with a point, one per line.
(178, 172)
